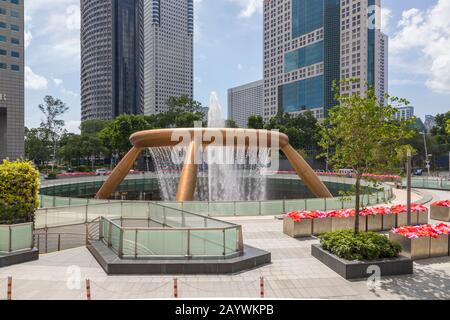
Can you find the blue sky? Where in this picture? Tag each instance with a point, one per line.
(228, 51)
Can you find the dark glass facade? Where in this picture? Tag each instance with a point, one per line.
(307, 16)
(371, 53)
(128, 57)
(332, 52)
(304, 57)
(315, 92)
(302, 95)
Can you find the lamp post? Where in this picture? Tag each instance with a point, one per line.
(408, 187)
(427, 156)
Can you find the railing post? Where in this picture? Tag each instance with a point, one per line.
(240, 240)
(109, 234)
(164, 217)
(224, 243)
(10, 239)
(59, 242)
(325, 203)
(135, 243)
(121, 243)
(189, 242)
(46, 240)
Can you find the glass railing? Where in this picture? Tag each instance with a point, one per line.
(16, 237)
(429, 183)
(175, 234)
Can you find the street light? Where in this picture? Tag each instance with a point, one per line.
(427, 156)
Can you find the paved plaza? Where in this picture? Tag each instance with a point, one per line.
(293, 274)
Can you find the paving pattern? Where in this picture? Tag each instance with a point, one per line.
(293, 274)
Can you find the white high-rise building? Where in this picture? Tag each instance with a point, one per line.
(168, 62)
(404, 113)
(245, 101)
(309, 44)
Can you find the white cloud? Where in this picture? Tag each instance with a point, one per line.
(73, 18)
(386, 16)
(69, 93)
(427, 33)
(57, 81)
(34, 81)
(248, 7)
(73, 126)
(240, 67)
(28, 37)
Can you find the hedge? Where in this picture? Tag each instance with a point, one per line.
(19, 192)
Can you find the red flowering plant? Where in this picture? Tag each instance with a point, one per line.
(444, 203)
(298, 216)
(414, 232)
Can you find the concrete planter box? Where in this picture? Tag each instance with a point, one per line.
(347, 224)
(389, 222)
(321, 226)
(374, 223)
(416, 219)
(439, 247)
(359, 269)
(297, 229)
(440, 213)
(424, 247)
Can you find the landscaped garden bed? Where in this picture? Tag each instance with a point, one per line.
(422, 242)
(299, 224)
(353, 256)
(440, 211)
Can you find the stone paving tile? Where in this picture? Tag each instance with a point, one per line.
(293, 274)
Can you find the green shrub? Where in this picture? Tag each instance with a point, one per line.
(363, 246)
(19, 192)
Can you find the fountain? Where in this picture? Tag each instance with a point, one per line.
(214, 163)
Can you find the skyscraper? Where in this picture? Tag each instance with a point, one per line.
(245, 101)
(11, 79)
(112, 57)
(169, 31)
(382, 67)
(308, 44)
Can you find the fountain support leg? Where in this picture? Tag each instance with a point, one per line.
(118, 174)
(188, 178)
(306, 173)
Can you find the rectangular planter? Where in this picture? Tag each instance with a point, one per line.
(389, 222)
(347, 224)
(440, 213)
(413, 248)
(374, 223)
(321, 226)
(439, 247)
(416, 219)
(297, 229)
(360, 269)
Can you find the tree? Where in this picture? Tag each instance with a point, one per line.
(365, 137)
(71, 148)
(255, 122)
(440, 130)
(230, 123)
(51, 124)
(93, 126)
(116, 135)
(36, 146)
(448, 126)
(92, 147)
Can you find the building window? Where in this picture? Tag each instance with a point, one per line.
(2, 38)
(15, 14)
(2, 11)
(3, 52)
(15, 54)
(15, 1)
(3, 65)
(15, 41)
(3, 25)
(15, 67)
(15, 28)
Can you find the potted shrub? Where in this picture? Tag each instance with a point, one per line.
(440, 210)
(350, 255)
(19, 199)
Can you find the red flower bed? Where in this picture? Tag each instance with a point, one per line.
(297, 216)
(444, 203)
(76, 174)
(433, 231)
